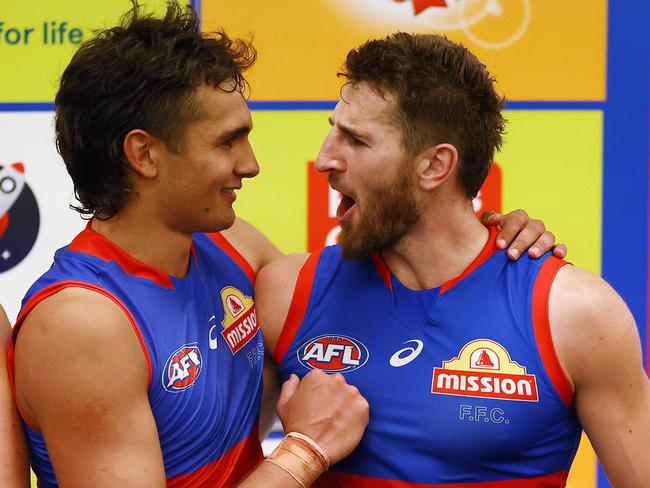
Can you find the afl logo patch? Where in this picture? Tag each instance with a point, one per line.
(19, 216)
(333, 354)
(183, 368)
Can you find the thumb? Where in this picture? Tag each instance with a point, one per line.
(289, 387)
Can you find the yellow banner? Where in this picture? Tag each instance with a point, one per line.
(539, 50)
(38, 38)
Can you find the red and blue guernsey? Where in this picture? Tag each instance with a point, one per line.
(464, 385)
(202, 343)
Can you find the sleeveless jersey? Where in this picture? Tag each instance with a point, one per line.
(202, 344)
(464, 385)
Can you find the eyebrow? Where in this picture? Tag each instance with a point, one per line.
(348, 130)
(234, 133)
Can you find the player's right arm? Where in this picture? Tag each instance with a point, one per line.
(82, 379)
(321, 406)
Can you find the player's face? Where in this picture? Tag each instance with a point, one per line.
(200, 181)
(364, 156)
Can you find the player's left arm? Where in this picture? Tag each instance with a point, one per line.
(520, 233)
(14, 462)
(254, 246)
(598, 344)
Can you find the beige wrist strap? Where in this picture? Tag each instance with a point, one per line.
(300, 457)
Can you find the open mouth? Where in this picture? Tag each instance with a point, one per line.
(345, 208)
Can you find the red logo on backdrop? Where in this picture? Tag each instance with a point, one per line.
(421, 5)
(183, 368)
(333, 354)
(323, 228)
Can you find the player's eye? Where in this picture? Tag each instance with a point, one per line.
(356, 141)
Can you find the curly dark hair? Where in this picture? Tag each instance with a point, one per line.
(140, 74)
(443, 94)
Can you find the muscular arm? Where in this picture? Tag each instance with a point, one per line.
(598, 345)
(82, 379)
(251, 244)
(273, 293)
(14, 467)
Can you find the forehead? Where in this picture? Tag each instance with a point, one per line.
(225, 107)
(361, 106)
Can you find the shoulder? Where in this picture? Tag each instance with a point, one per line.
(591, 326)
(254, 246)
(84, 342)
(5, 326)
(274, 291)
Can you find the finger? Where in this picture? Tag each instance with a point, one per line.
(526, 239)
(543, 244)
(289, 387)
(490, 218)
(560, 251)
(511, 226)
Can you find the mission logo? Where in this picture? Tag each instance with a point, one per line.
(183, 368)
(19, 216)
(333, 354)
(239, 320)
(484, 369)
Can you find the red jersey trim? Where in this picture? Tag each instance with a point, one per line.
(48, 292)
(488, 250)
(233, 253)
(228, 470)
(383, 270)
(90, 242)
(542, 328)
(345, 480)
(298, 307)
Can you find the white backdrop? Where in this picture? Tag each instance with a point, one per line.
(28, 138)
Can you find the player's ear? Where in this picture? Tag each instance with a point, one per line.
(141, 150)
(435, 164)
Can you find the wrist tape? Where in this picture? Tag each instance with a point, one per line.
(300, 457)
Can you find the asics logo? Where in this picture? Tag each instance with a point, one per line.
(406, 354)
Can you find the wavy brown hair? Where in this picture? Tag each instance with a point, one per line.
(443, 94)
(140, 74)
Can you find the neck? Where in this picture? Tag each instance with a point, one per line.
(148, 240)
(438, 248)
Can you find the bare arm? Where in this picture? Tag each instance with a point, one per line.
(14, 465)
(273, 293)
(598, 344)
(251, 244)
(81, 377)
(272, 298)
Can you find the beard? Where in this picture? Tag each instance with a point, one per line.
(386, 217)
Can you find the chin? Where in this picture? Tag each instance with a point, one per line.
(216, 223)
